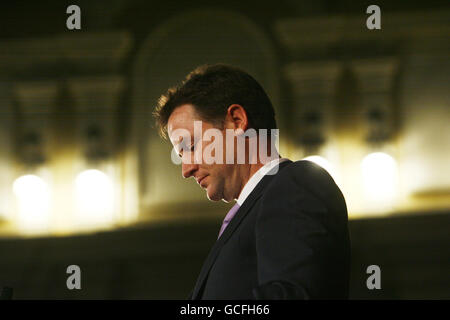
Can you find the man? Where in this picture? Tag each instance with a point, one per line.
(286, 237)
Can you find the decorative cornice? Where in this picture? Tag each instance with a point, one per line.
(375, 75)
(99, 93)
(85, 52)
(37, 97)
(329, 32)
(312, 78)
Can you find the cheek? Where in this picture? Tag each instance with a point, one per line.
(216, 173)
(228, 147)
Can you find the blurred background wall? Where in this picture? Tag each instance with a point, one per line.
(86, 180)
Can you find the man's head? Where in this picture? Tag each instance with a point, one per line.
(222, 98)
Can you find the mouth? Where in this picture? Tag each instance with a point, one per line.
(199, 181)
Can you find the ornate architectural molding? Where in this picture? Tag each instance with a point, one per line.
(376, 79)
(82, 53)
(96, 100)
(35, 100)
(330, 32)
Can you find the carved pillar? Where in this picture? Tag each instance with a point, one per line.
(6, 153)
(35, 101)
(313, 86)
(96, 100)
(379, 172)
(376, 81)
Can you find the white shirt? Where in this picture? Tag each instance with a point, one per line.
(256, 177)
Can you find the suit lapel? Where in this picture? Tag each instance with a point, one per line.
(234, 223)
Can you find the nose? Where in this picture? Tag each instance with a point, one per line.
(187, 170)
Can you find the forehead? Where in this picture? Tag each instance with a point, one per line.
(181, 122)
(182, 117)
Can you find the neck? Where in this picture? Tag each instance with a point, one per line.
(250, 168)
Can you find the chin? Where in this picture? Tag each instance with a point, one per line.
(213, 196)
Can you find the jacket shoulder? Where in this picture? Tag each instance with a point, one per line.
(303, 171)
(303, 175)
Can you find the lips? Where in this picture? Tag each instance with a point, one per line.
(199, 181)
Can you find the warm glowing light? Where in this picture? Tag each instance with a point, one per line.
(324, 163)
(33, 198)
(94, 199)
(379, 172)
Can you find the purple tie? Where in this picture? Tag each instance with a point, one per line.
(228, 218)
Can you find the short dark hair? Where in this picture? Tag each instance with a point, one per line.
(211, 89)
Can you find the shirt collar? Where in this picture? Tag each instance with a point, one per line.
(256, 177)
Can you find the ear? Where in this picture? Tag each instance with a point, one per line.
(236, 118)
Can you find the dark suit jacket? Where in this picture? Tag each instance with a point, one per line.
(288, 240)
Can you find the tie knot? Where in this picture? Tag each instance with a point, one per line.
(228, 217)
(232, 212)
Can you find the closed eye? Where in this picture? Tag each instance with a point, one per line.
(191, 149)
